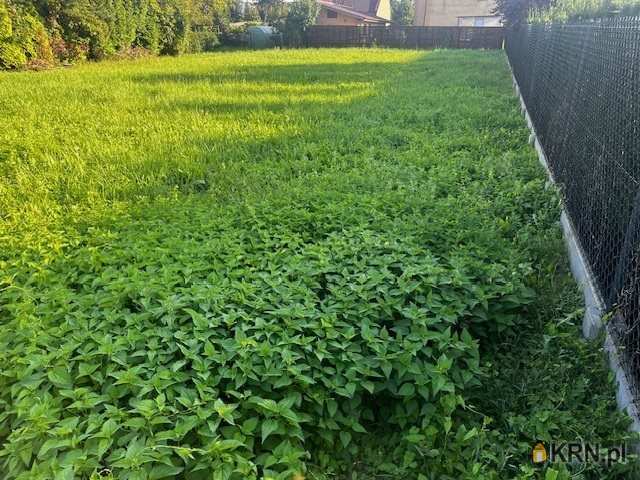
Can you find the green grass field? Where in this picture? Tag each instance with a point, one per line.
(285, 264)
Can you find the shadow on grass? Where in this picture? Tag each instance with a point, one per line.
(280, 74)
(272, 119)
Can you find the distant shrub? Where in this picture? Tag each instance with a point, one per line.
(235, 35)
(402, 12)
(251, 13)
(174, 30)
(6, 27)
(35, 33)
(202, 41)
(11, 56)
(300, 15)
(67, 51)
(97, 35)
(148, 31)
(23, 38)
(133, 52)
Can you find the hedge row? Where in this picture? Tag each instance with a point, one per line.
(41, 32)
(576, 10)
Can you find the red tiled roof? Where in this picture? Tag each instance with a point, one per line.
(353, 13)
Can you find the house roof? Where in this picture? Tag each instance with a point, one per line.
(352, 13)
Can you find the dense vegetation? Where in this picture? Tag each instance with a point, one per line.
(403, 12)
(39, 32)
(516, 12)
(42, 33)
(573, 10)
(284, 264)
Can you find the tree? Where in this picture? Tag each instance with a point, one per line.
(516, 12)
(6, 29)
(301, 14)
(23, 38)
(402, 12)
(148, 29)
(175, 26)
(210, 13)
(272, 12)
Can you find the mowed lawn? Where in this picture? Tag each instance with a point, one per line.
(280, 264)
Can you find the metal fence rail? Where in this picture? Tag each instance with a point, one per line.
(404, 36)
(581, 85)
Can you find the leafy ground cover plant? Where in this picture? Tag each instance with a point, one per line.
(298, 264)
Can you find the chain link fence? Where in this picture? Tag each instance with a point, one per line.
(581, 85)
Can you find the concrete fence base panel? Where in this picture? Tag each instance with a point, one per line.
(593, 321)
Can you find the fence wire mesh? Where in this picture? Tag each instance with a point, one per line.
(403, 36)
(581, 86)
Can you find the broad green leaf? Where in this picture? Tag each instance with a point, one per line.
(269, 426)
(407, 390)
(60, 377)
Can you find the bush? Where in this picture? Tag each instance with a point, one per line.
(576, 10)
(402, 12)
(235, 35)
(11, 56)
(23, 38)
(202, 41)
(148, 31)
(174, 30)
(36, 33)
(300, 15)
